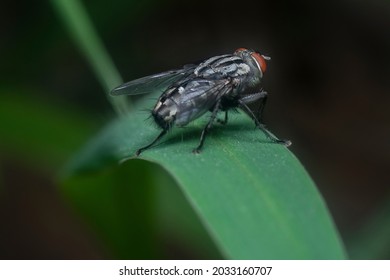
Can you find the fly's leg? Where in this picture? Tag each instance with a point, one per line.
(262, 96)
(263, 101)
(225, 120)
(261, 125)
(207, 128)
(139, 151)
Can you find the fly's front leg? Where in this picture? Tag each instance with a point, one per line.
(139, 151)
(207, 128)
(262, 96)
(263, 101)
(258, 123)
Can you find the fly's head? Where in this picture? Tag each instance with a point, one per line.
(255, 61)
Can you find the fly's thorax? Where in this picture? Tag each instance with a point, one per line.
(252, 81)
(246, 84)
(223, 66)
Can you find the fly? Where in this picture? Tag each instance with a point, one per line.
(219, 83)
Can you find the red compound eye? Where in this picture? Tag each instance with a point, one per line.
(260, 61)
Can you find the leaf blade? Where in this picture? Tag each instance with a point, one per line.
(254, 197)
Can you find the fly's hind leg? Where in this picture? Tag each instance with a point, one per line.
(207, 128)
(139, 151)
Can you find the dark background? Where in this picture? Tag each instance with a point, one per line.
(328, 84)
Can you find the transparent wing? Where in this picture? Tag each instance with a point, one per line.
(149, 83)
(198, 97)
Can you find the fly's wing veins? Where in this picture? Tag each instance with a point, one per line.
(151, 83)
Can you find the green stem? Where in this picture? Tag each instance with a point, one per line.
(79, 25)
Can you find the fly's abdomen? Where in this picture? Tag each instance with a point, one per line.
(183, 103)
(164, 113)
(169, 113)
(188, 112)
(194, 99)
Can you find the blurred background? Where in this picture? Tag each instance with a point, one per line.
(329, 92)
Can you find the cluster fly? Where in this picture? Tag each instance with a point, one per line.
(220, 83)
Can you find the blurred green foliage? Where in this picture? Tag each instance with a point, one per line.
(32, 128)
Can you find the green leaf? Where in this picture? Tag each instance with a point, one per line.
(254, 197)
